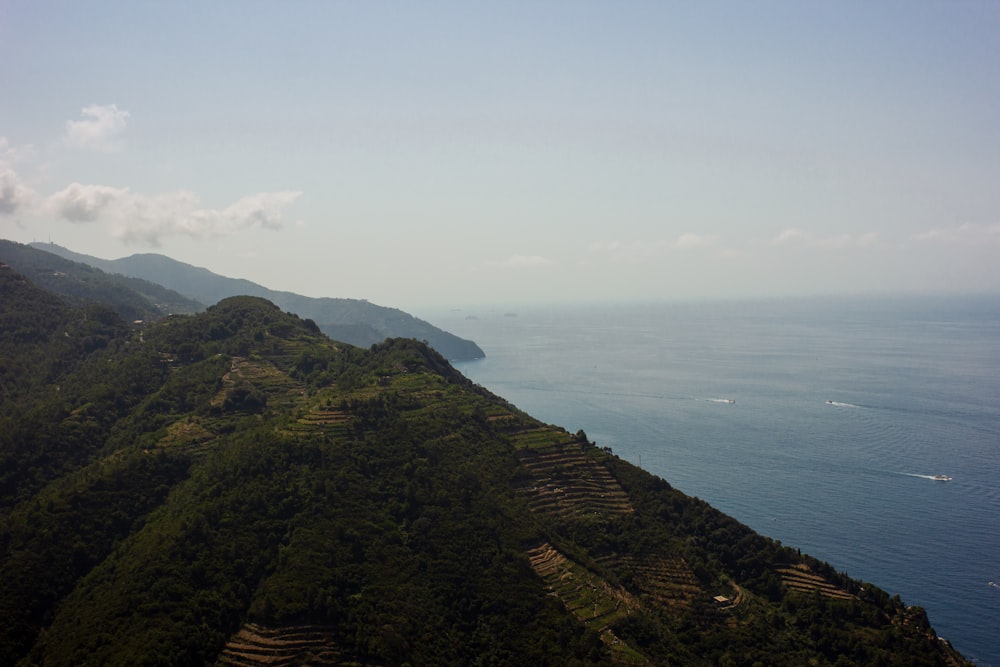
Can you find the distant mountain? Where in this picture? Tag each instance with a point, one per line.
(349, 320)
(80, 283)
(234, 488)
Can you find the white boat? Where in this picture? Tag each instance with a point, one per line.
(941, 478)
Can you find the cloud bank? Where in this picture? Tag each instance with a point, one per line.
(146, 219)
(99, 130)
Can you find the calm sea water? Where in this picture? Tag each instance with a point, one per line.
(819, 423)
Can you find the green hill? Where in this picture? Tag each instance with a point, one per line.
(353, 321)
(80, 283)
(234, 488)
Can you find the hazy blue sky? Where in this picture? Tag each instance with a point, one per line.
(433, 154)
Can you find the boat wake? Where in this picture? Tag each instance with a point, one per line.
(838, 404)
(936, 478)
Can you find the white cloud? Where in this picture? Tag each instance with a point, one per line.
(85, 203)
(516, 261)
(10, 154)
(866, 240)
(99, 129)
(788, 236)
(833, 242)
(633, 252)
(638, 252)
(14, 195)
(146, 219)
(966, 233)
(689, 240)
(795, 236)
(605, 246)
(259, 210)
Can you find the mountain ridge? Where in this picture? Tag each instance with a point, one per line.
(354, 321)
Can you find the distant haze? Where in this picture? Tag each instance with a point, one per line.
(441, 154)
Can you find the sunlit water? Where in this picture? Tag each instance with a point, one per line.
(819, 423)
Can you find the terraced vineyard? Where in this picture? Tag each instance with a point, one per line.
(801, 578)
(281, 389)
(326, 418)
(271, 387)
(589, 596)
(666, 580)
(257, 646)
(564, 480)
(188, 435)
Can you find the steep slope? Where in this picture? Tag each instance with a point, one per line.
(353, 321)
(253, 493)
(50, 351)
(80, 283)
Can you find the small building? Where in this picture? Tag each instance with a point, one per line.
(722, 601)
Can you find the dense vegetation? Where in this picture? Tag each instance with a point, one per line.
(233, 487)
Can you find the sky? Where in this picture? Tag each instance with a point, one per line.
(440, 154)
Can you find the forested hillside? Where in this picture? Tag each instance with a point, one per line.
(235, 488)
(80, 284)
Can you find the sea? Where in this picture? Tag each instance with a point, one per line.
(819, 422)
